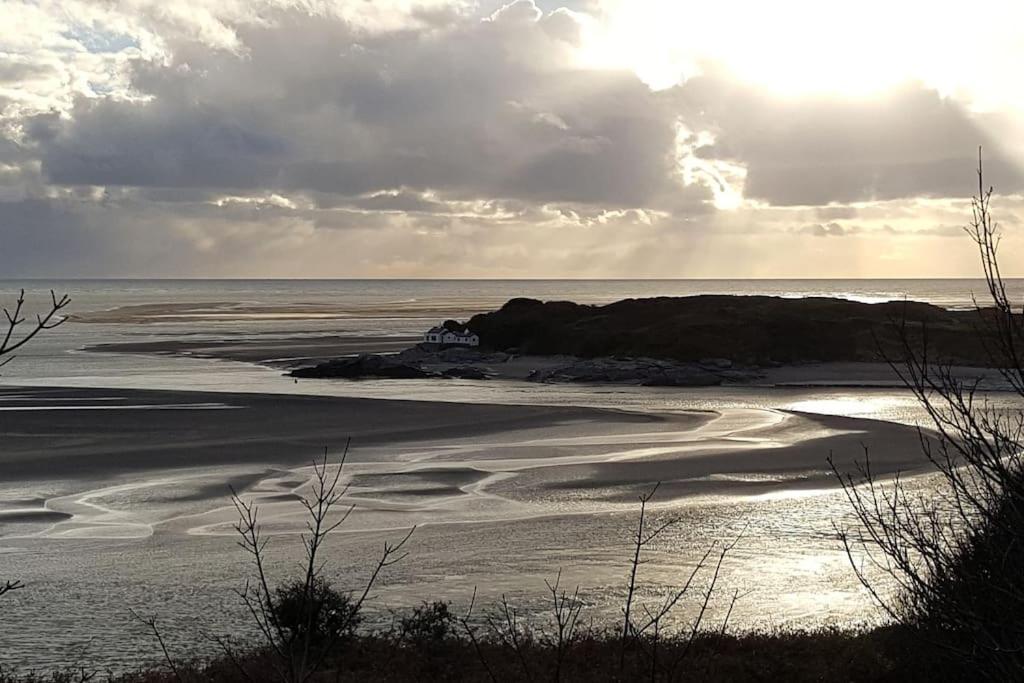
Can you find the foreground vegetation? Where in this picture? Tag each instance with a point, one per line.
(885, 654)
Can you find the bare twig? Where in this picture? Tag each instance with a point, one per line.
(11, 342)
(225, 646)
(150, 623)
(507, 627)
(471, 634)
(648, 631)
(955, 559)
(565, 614)
(642, 537)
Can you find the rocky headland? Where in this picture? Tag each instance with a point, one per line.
(747, 330)
(689, 341)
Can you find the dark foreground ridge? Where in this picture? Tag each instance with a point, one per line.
(435, 649)
(750, 330)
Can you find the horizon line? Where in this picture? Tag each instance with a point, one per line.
(487, 279)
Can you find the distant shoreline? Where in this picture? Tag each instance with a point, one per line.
(289, 352)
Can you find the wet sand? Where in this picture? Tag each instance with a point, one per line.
(110, 496)
(161, 461)
(274, 351)
(48, 430)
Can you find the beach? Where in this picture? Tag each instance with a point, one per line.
(123, 437)
(404, 453)
(510, 340)
(557, 484)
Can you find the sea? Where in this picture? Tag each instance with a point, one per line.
(113, 311)
(790, 569)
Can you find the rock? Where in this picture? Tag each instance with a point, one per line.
(459, 355)
(463, 354)
(695, 378)
(649, 372)
(522, 302)
(465, 372)
(740, 376)
(364, 365)
(641, 371)
(416, 354)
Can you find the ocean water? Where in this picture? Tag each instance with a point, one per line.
(110, 311)
(789, 563)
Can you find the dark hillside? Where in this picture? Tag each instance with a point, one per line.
(744, 329)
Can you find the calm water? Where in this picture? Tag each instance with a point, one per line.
(790, 563)
(249, 308)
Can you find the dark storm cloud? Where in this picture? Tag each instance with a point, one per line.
(486, 109)
(174, 195)
(137, 237)
(490, 109)
(48, 237)
(461, 138)
(152, 145)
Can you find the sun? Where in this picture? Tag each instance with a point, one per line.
(800, 47)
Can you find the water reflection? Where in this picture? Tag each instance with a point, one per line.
(876, 404)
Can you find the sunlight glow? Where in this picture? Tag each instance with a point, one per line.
(725, 179)
(797, 47)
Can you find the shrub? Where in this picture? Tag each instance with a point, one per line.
(428, 624)
(318, 613)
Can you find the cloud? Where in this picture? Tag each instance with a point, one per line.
(492, 109)
(812, 150)
(412, 138)
(831, 229)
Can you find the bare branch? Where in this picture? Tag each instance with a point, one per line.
(954, 556)
(150, 623)
(11, 341)
(9, 586)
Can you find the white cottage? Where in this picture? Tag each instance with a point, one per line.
(442, 335)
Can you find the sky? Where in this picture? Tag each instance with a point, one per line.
(479, 139)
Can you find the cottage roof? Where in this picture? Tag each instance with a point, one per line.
(447, 332)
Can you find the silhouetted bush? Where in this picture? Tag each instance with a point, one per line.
(316, 613)
(428, 624)
(824, 655)
(305, 621)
